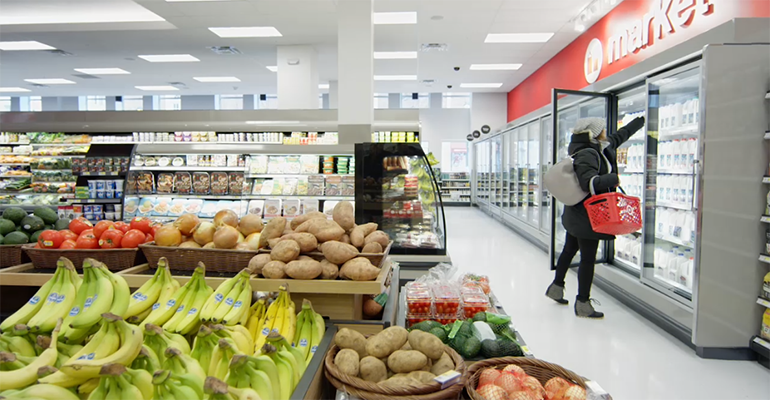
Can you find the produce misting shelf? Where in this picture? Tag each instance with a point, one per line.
(336, 299)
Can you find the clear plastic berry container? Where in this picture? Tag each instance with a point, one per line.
(412, 319)
(445, 319)
(419, 301)
(474, 303)
(471, 288)
(446, 300)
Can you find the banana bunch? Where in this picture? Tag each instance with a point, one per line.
(280, 343)
(17, 344)
(288, 370)
(279, 318)
(215, 389)
(239, 335)
(120, 344)
(181, 363)
(152, 294)
(52, 301)
(40, 392)
(118, 382)
(146, 360)
(180, 312)
(158, 340)
(258, 373)
(101, 292)
(309, 332)
(27, 375)
(225, 350)
(257, 315)
(229, 304)
(175, 386)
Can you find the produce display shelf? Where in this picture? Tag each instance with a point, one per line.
(14, 164)
(455, 180)
(188, 168)
(246, 196)
(105, 174)
(291, 175)
(762, 348)
(58, 144)
(763, 301)
(97, 201)
(455, 188)
(60, 155)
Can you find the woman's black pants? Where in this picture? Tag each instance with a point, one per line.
(588, 248)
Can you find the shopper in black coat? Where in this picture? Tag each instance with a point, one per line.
(596, 166)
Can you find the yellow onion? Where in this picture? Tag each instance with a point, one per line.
(190, 244)
(250, 223)
(187, 223)
(253, 241)
(204, 233)
(226, 237)
(243, 246)
(240, 237)
(168, 236)
(209, 245)
(226, 217)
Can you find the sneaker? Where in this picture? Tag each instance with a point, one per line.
(556, 293)
(585, 309)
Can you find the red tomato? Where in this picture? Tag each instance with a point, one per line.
(148, 238)
(78, 225)
(87, 241)
(87, 232)
(50, 239)
(132, 239)
(154, 229)
(68, 234)
(122, 226)
(111, 239)
(68, 244)
(37, 246)
(103, 226)
(142, 224)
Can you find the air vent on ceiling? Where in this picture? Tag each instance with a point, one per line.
(85, 76)
(428, 82)
(60, 53)
(225, 50)
(180, 85)
(37, 85)
(426, 47)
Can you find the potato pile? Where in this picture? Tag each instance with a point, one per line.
(339, 240)
(393, 357)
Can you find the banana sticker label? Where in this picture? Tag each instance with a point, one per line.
(52, 297)
(155, 306)
(171, 303)
(218, 298)
(266, 331)
(139, 296)
(90, 301)
(34, 300)
(313, 349)
(303, 343)
(238, 304)
(229, 301)
(192, 311)
(180, 308)
(89, 356)
(74, 311)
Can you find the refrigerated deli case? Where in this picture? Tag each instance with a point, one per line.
(703, 141)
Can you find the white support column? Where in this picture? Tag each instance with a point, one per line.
(69, 103)
(15, 104)
(50, 103)
(334, 94)
(248, 101)
(436, 100)
(199, 102)
(147, 103)
(297, 78)
(394, 100)
(110, 103)
(355, 45)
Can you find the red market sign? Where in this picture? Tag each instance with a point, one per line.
(633, 31)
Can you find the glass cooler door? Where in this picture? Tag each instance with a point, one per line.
(672, 149)
(396, 188)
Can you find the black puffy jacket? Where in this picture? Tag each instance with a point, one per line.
(588, 166)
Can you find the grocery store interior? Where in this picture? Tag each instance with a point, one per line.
(375, 181)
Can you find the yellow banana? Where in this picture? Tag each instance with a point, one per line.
(103, 343)
(183, 363)
(183, 304)
(225, 306)
(130, 346)
(242, 340)
(32, 306)
(302, 341)
(282, 344)
(216, 298)
(267, 365)
(285, 372)
(44, 391)
(28, 375)
(244, 394)
(164, 310)
(146, 360)
(99, 298)
(290, 325)
(216, 389)
(139, 318)
(87, 387)
(191, 321)
(122, 293)
(59, 301)
(203, 347)
(241, 305)
(147, 294)
(18, 345)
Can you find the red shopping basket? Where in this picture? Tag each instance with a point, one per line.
(614, 213)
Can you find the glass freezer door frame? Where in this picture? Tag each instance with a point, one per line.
(603, 255)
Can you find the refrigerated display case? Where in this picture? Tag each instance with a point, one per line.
(396, 188)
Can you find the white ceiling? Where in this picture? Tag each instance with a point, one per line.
(464, 26)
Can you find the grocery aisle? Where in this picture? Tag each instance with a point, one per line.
(631, 358)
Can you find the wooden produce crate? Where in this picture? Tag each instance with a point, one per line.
(389, 313)
(115, 259)
(313, 385)
(11, 254)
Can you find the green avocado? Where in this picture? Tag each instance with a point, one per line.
(48, 215)
(6, 226)
(1, 239)
(14, 214)
(33, 237)
(61, 224)
(32, 224)
(16, 238)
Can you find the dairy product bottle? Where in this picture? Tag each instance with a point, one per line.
(690, 190)
(696, 103)
(662, 118)
(685, 272)
(636, 252)
(669, 188)
(688, 230)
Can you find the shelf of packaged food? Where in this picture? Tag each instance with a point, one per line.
(55, 182)
(677, 206)
(761, 346)
(764, 258)
(187, 168)
(273, 176)
(58, 144)
(455, 188)
(15, 164)
(16, 144)
(765, 219)
(242, 197)
(104, 174)
(26, 191)
(96, 201)
(675, 240)
(673, 172)
(59, 155)
(763, 302)
(679, 132)
(766, 179)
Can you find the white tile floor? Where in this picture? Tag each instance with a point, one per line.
(625, 353)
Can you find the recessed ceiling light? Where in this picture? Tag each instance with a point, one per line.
(158, 88)
(395, 77)
(75, 12)
(246, 31)
(51, 81)
(323, 85)
(24, 45)
(208, 79)
(394, 18)
(272, 68)
(102, 71)
(495, 67)
(13, 90)
(480, 85)
(394, 55)
(169, 58)
(518, 37)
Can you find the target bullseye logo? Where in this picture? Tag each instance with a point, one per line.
(592, 65)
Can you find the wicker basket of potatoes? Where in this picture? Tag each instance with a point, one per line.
(393, 364)
(312, 246)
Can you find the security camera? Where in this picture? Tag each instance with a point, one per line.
(448, 86)
(457, 68)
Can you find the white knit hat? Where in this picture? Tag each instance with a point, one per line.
(594, 126)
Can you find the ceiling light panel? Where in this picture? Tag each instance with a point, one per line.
(323, 85)
(74, 12)
(156, 88)
(102, 71)
(395, 77)
(169, 58)
(394, 55)
(495, 67)
(24, 45)
(394, 18)
(518, 37)
(213, 79)
(51, 81)
(13, 90)
(246, 31)
(272, 68)
(481, 85)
